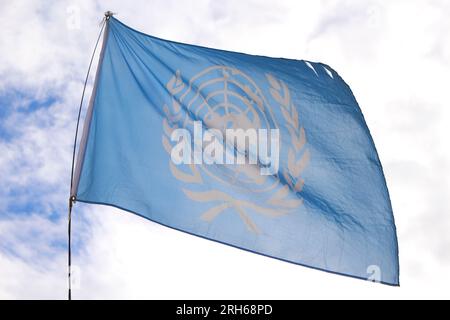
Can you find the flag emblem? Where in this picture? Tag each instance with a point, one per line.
(227, 98)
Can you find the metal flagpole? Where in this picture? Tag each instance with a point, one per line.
(72, 197)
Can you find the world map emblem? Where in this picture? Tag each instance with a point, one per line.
(223, 98)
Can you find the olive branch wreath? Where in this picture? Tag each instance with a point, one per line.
(281, 94)
(278, 203)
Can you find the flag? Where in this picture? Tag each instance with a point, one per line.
(268, 155)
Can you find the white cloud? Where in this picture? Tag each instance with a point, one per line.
(395, 55)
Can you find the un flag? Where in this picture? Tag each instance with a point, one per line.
(268, 155)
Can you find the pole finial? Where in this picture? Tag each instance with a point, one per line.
(108, 14)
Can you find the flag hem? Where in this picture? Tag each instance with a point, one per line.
(237, 247)
(215, 49)
(87, 120)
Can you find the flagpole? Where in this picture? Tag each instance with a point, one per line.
(72, 197)
(69, 247)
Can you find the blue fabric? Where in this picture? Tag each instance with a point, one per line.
(327, 207)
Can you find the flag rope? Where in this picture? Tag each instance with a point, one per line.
(72, 198)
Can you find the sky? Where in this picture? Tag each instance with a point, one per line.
(395, 55)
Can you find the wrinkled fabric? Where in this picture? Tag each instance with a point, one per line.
(327, 207)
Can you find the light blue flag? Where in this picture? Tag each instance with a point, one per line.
(319, 201)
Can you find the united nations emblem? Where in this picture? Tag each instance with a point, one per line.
(226, 98)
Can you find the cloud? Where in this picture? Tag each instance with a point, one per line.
(395, 55)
